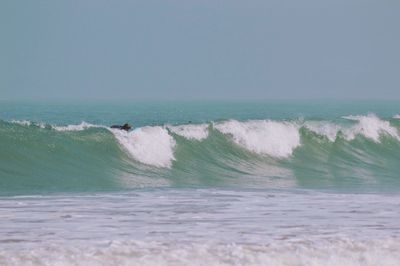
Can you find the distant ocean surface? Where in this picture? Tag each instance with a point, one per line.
(217, 183)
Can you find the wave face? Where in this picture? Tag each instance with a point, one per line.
(353, 152)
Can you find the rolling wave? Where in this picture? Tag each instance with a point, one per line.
(354, 151)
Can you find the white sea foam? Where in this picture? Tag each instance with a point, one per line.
(28, 123)
(352, 117)
(82, 126)
(330, 253)
(149, 145)
(196, 132)
(201, 227)
(370, 126)
(277, 139)
(22, 122)
(327, 129)
(396, 117)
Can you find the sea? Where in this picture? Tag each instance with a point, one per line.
(200, 183)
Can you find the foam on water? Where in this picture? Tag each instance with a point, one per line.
(276, 139)
(82, 126)
(21, 122)
(331, 253)
(148, 145)
(322, 128)
(191, 132)
(371, 127)
(28, 123)
(201, 227)
(396, 117)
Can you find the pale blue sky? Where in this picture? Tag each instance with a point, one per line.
(153, 49)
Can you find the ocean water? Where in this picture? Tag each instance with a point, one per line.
(217, 183)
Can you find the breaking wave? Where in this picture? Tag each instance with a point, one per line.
(191, 132)
(277, 139)
(349, 151)
(148, 145)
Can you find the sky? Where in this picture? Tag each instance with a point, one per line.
(199, 49)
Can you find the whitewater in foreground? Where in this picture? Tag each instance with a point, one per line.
(240, 184)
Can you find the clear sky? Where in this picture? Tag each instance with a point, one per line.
(199, 49)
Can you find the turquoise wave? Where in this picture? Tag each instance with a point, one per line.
(359, 153)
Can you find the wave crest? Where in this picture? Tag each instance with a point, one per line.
(326, 129)
(371, 127)
(28, 123)
(82, 126)
(191, 132)
(276, 139)
(148, 145)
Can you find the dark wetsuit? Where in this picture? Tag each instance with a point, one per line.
(125, 127)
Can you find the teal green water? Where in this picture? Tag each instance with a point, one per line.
(348, 146)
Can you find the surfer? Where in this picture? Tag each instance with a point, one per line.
(125, 127)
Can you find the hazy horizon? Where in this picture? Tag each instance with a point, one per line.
(199, 50)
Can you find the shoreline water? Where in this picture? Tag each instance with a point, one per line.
(175, 227)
